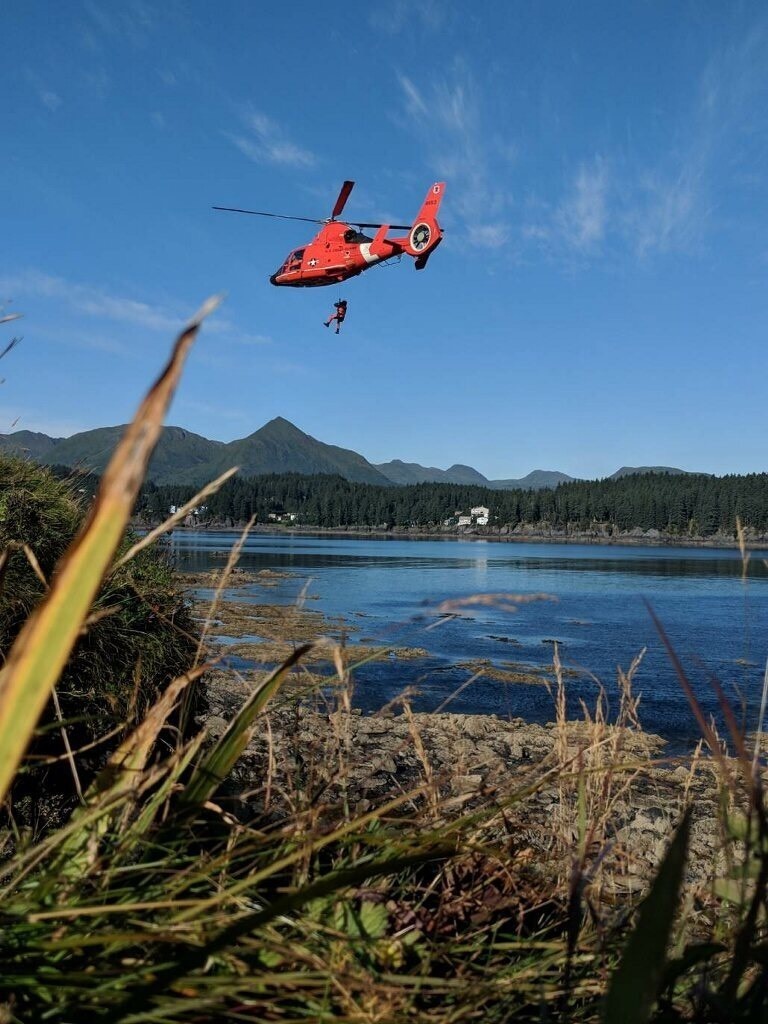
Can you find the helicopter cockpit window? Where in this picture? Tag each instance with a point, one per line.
(295, 257)
(352, 237)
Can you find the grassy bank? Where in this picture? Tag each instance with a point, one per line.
(137, 638)
(235, 873)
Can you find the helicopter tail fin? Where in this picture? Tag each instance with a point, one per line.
(431, 204)
(426, 233)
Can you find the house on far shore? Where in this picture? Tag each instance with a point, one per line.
(192, 517)
(283, 517)
(477, 516)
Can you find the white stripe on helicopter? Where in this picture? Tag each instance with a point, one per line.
(368, 256)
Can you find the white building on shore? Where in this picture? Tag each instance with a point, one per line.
(477, 516)
(283, 517)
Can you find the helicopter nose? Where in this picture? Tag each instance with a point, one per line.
(273, 279)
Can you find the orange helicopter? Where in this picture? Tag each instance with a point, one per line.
(339, 251)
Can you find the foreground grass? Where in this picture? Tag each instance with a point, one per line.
(156, 900)
(153, 903)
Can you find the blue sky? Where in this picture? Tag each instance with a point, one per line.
(600, 298)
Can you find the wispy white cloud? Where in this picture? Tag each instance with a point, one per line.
(99, 304)
(130, 19)
(221, 325)
(538, 233)
(579, 224)
(415, 104)
(91, 301)
(448, 115)
(117, 307)
(97, 81)
(581, 216)
(218, 412)
(87, 339)
(266, 141)
(669, 214)
(50, 99)
(488, 236)
(100, 343)
(672, 204)
(401, 15)
(625, 203)
(620, 209)
(286, 366)
(666, 207)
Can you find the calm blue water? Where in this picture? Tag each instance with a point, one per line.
(717, 623)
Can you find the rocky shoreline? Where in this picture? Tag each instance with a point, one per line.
(342, 761)
(313, 742)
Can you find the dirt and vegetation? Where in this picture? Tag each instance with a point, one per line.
(289, 860)
(137, 638)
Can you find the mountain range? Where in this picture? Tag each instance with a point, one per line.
(182, 457)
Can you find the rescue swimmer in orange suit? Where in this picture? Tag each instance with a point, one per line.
(338, 316)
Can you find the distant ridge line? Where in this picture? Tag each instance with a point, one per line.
(183, 457)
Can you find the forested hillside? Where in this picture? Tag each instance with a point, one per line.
(690, 504)
(184, 457)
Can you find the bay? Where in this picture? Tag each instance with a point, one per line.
(390, 590)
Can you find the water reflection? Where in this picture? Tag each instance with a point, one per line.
(600, 619)
(199, 548)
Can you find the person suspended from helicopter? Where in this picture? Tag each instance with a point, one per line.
(338, 316)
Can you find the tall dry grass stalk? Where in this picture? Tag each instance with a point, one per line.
(46, 641)
(595, 776)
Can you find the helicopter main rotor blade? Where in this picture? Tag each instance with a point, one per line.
(394, 227)
(341, 202)
(260, 213)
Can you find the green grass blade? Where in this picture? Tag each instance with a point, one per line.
(220, 760)
(45, 643)
(636, 982)
(141, 999)
(114, 787)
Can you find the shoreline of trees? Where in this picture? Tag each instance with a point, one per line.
(674, 505)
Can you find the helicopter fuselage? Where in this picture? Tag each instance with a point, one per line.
(338, 252)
